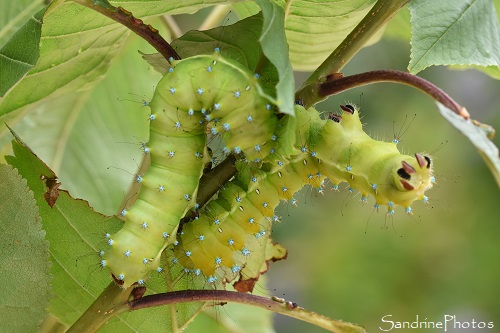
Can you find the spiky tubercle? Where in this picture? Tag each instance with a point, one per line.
(222, 240)
(198, 95)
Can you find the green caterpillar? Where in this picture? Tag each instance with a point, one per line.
(205, 93)
(222, 240)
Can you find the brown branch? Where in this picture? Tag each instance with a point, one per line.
(146, 31)
(274, 304)
(210, 184)
(338, 85)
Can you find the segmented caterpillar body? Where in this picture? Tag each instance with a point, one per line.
(205, 93)
(222, 240)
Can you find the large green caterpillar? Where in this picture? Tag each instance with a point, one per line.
(198, 94)
(219, 243)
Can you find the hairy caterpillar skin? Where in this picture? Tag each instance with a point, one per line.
(221, 241)
(205, 93)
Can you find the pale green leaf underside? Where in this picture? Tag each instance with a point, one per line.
(315, 28)
(454, 32)
(96, 135)
(479, 138)
(24, 254)
(77, 46)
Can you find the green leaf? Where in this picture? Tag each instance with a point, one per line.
(238, 41)
(14, 14)
(24, 254)
(76, 233)
(275, 47)
(76, 49)
(96, 134)
(245, 9)
(20, 53)
(479, 135)
(315, 28)
(454, 32)
(78, 44)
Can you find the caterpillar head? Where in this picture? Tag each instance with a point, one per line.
(414, 176)
(408, 176)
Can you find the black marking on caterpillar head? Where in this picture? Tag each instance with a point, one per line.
(423, 161)
(336, 118)
(403, 173)
(348, 108)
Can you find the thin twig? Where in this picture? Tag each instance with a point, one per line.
(210, 184)
(172, 26)
(146, 31)
(338, 85)
(216, 15)
(277, 305)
